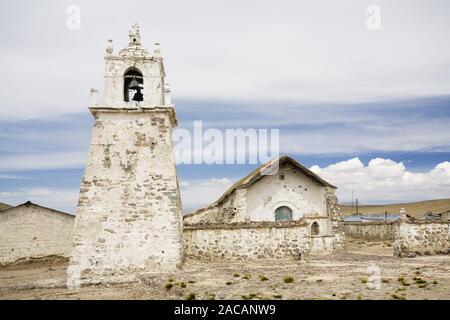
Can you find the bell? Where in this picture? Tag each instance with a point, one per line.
(134, 84)
(138, 96)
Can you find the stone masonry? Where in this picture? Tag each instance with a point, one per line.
(373, 230)
(421, 238)
(128, 218)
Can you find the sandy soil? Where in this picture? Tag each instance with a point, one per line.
(347, 275)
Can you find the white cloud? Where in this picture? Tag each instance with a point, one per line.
(12, 177)
(197, 193)
(194, 194)
(381, 181)
(297, 51)
(51, 160)
(59, 199)
(347, 139)
(384, 180)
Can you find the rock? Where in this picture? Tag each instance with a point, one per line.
(146, 279)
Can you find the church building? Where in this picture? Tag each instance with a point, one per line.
(280, 202)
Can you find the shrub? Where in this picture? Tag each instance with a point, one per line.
(403, 282)
(190, 296)
(168, 286)
(288, 279)
(236, 275)
(212, 296)
(263, 278)
(420, 281)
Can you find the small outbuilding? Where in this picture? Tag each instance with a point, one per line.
(30, 231)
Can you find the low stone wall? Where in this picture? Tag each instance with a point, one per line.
(422, 238)
(253, 240)
(373, 230)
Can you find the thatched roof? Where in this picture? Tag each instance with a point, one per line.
(260, 173)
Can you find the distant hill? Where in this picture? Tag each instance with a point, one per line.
(415, 209)
(4, 206)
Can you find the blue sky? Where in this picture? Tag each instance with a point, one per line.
(43, 159)
(335, 90)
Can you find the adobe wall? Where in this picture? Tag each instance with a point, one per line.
(28, 232)
(297, 191)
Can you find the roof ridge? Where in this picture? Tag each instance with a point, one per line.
(29, 203)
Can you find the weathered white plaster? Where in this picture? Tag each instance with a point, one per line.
(151, 65)
(370, 230)
(253, 241)
(128, 217)
(255, 198)
(420, 237)
(31, 231)
(298, 192)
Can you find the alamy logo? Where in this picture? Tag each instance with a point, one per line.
(374, 280)
(229, 146)
(73, 21)
(374, 19)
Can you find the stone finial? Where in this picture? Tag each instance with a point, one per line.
(403, 215)
(94, 92)
(157, 50)
(135, 35)
(109, 47)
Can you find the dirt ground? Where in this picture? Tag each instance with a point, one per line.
(366, 270)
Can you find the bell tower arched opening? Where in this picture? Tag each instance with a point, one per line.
(133, 83)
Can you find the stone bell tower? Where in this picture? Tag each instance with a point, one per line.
(129, 212)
